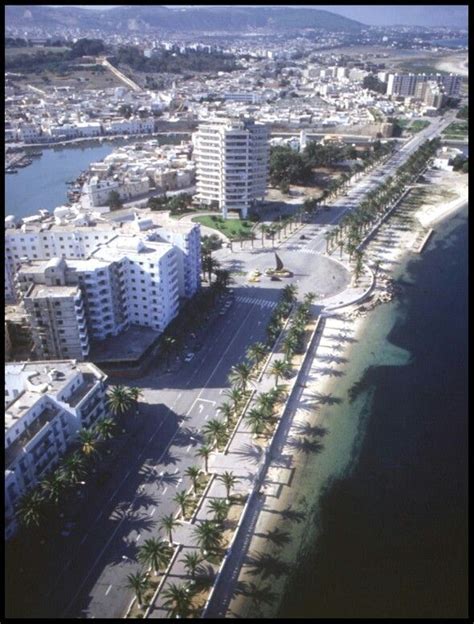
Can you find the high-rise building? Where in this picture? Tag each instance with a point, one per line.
(46, 403)
(407, 85)
(232, 157)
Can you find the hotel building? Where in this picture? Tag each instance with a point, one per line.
(232, 159)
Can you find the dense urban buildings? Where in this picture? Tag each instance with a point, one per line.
(94, 281)
(46, 403)
(231, 163)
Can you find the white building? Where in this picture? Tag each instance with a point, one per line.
(129, 281)
(231, 163)
(93, 280)
(47, 403)
(98, 191)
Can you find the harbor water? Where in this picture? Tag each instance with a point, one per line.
(43, 184)
(388, 536)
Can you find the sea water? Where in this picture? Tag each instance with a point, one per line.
(389, 538)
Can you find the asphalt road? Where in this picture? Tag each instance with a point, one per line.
(85, 572)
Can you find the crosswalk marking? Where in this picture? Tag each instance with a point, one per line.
(263, 303)
(306, 250)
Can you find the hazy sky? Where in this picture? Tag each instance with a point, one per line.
(454, 16)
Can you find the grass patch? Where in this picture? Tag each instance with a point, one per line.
(457, 129)
(232, 228)
(418, 125)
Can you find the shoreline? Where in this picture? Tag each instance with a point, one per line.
(92, 141)
(336, 446)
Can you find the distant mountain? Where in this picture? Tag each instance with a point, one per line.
(148, 18)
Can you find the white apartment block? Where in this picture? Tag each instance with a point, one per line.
(406, 85)
(128, 281)
(47, 403)
(231, 163)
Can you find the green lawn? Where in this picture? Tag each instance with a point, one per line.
(418, 125)
(232, 228)
(457, 129)
(403, 123)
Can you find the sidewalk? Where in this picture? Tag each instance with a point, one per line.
(247, 462)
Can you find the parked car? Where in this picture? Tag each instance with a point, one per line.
(189, 357)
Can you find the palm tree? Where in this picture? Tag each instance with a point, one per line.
(235, 395)
(30, 509)
(228, 479)
(240, 375)
(226, 410)
(265, 402)
(119, 400)
(168, 523)
(88, 442)
(208, 536)
(155, 553)
(182, 498)
(193, 472)
(177, 601)
(279, 369)
(74, 468)
(256, 421)
(290, 293)
(105, 428)
(223, 278)
(309, 298)
(359, 265)
(271, 231)
(290, 345)
(214, 429)
(264, 232)
(277, 393)
(139, 583)
(219, 508)
(256, 352)
(204, 451)
(53, 486)
(210, 265)
(191, 561)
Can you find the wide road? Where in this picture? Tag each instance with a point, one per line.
(85, 574)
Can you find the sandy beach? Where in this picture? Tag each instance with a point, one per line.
(449, 191)
(323, 439)
(457, 64)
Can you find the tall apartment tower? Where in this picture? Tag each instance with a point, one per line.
(232, 157)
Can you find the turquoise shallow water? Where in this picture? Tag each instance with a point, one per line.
(389, 534)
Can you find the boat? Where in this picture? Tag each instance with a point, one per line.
(11, 171)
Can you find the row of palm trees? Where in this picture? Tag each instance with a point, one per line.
(340, 184)
(156, 553)
(32, 509)
(354, 227)
(208, 533)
